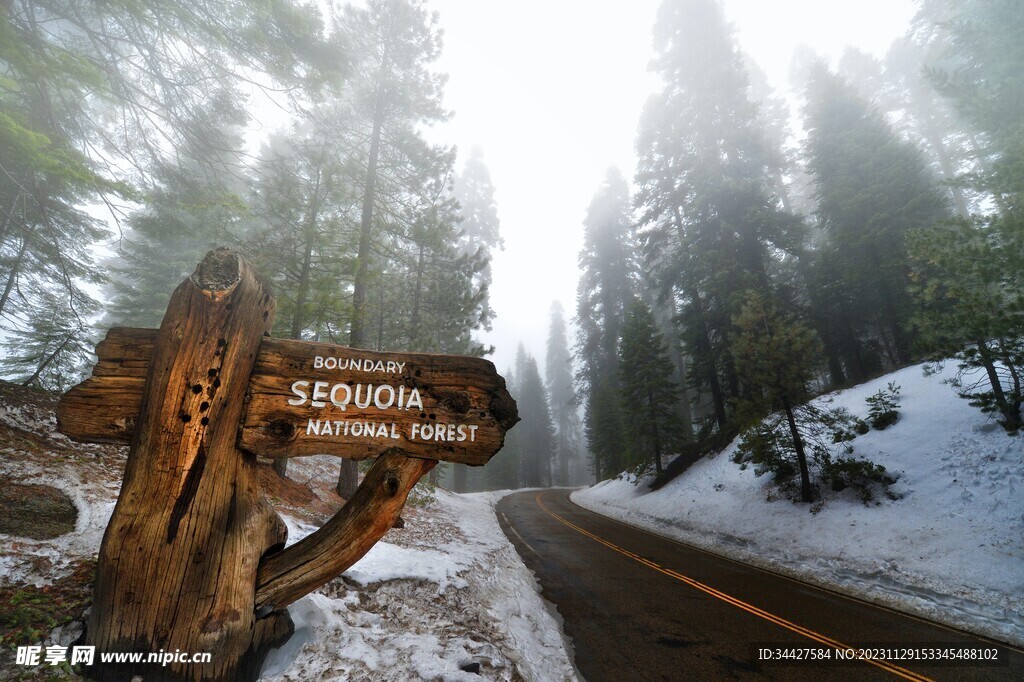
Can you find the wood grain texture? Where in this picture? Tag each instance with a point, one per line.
(178, 560)
(455, 390)
(298, 570)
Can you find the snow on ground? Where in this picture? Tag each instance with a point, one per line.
(951, 549)
(445, 592)
(36, 454)
(422, 606)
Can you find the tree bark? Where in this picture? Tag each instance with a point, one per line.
(177, 565)
(459, 478)
(191, 560)
(806, 493)
(13, 275)
(349, 472)
(372, 510)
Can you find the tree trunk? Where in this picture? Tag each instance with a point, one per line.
(349, 473)
(357, 336)
(652, 406)
(13, 275)
(459, 475)
(1011, 413)
(177, 565)
(348, 479)
(801, 457)
(302, 293)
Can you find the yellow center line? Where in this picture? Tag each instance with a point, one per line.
(749, 608)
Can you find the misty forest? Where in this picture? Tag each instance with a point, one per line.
(765, 250)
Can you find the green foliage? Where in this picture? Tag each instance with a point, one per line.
(883, 407)
(978, 67)
(769, 447)
(649, 394)
(607, 286)
(774, 352)
(872, 188)
(969, 283)
(860, 474)
(28, 614)
(562, 396)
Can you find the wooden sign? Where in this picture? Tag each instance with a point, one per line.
(194, 557)
(307, 398)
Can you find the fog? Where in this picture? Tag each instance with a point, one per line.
(552, 93)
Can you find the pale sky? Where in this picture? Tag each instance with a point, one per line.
(552, 91)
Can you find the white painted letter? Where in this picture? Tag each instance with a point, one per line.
(376, 397)
(348, 396)
(414, 400)
(297, 390)
(369, 391)
(319, 393)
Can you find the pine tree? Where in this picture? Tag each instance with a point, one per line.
(649, 394)
(537, 442)
(776, 354)
(978, 67)
(971, 279)
(503, 471)
(607, 286)
(562, 395)
(871, 188)
(392, 92)
(190, 207)
(970, 275)
(710, 223)
(479, 231)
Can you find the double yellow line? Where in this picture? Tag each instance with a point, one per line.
(749, 608)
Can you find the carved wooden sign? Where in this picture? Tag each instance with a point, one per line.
(194, 556)
(309, 398)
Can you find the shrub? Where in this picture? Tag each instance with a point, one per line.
(883, 407)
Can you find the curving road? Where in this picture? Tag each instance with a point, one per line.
(641, 607)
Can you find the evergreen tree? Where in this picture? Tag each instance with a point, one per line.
(95, 99)
(776, 354)
(871, 188)
(479, 231)
(562, 394)
(537, 440)
(971, 284)
(607, 286)
(503, 471)
(970, 275)
(977, 65)
(190, 207)
(392, 92)
(710, 222)
(649, 394)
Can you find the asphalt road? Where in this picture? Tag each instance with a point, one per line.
(641, 607)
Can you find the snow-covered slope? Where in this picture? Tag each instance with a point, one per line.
(950, 549)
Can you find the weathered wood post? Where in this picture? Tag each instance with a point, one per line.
(192, 558)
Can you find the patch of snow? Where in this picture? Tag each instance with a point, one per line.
(425, 612)
(951, 549)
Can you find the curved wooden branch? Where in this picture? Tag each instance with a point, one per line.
(298, 570)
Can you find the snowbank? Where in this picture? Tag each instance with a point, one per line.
(951, 549)
(452, 596)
